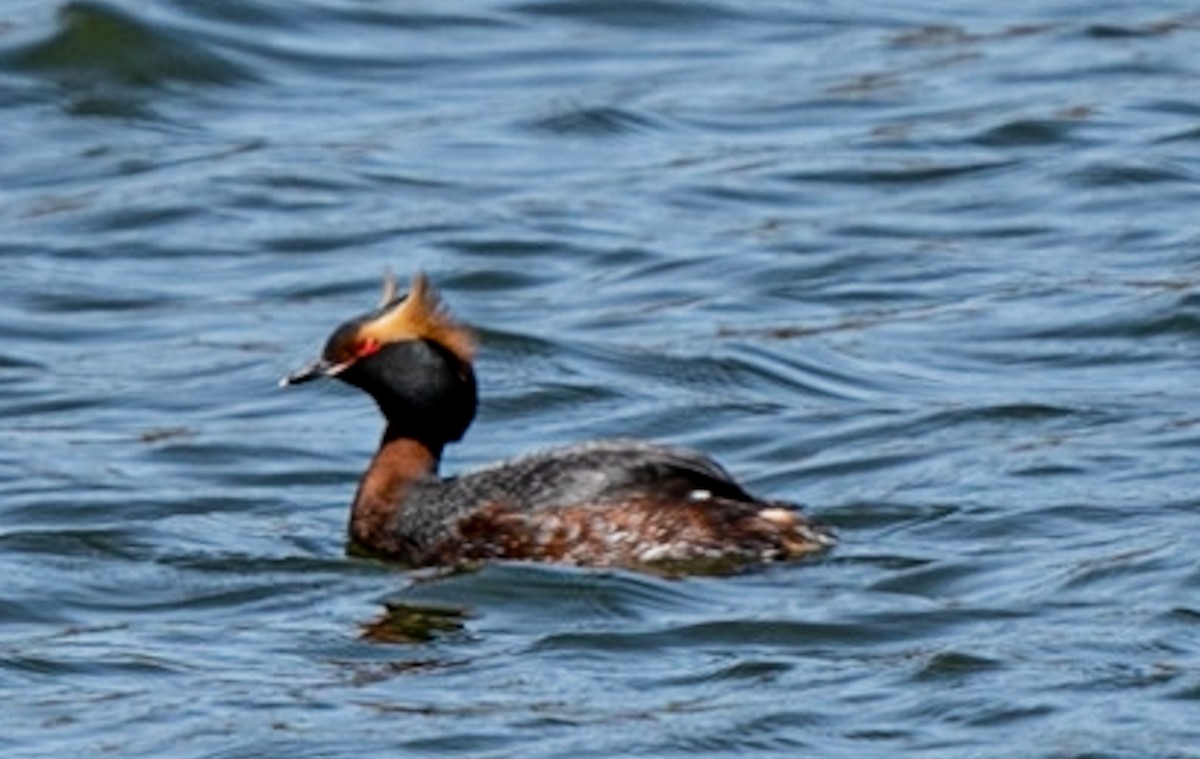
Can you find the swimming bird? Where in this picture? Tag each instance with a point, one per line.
(622, 502)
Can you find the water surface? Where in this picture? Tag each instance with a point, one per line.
(932, 272)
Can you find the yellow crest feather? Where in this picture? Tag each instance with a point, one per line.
(421, 315)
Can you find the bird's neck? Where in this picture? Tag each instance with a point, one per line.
(399, 462)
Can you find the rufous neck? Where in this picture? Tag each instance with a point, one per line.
(398, 463)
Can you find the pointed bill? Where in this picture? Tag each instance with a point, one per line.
(314, 371)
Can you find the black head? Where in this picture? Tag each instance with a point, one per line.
(412, 358)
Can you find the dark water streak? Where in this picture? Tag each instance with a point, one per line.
(929, 270)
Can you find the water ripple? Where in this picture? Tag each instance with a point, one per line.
(98, 44)
(932, 275)
(653, 14)
(594, 122)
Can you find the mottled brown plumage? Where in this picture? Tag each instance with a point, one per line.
(637, 533)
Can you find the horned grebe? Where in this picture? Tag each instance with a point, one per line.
(607, 503)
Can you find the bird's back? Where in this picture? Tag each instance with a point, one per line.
(604, 502)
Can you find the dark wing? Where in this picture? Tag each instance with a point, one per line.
(595, 473)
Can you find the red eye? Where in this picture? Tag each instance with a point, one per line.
(366, 348)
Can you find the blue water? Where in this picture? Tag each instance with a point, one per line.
(933, 271)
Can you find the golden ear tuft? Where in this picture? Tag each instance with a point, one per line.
(389, 287)
(421, 315)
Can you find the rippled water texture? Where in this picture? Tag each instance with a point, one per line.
(933, 272)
